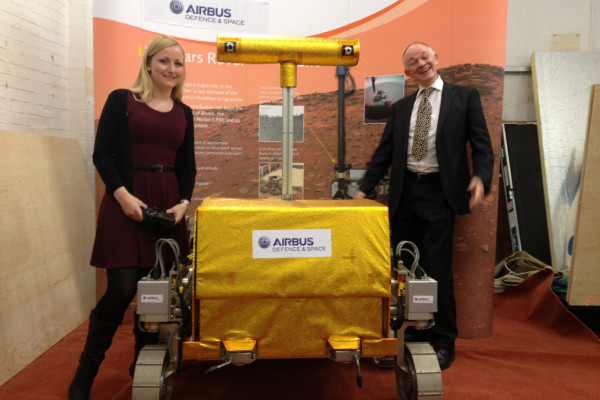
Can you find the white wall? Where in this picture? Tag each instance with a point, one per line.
(46, 70)
(543, 25)
(46, 117)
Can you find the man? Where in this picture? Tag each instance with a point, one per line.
(430, 177)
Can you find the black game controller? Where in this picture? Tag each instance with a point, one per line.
(160, 218)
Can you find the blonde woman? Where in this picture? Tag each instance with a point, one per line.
(144, 153)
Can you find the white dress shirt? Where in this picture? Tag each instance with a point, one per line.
(428, 163)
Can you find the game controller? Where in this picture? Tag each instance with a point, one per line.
(160, 218)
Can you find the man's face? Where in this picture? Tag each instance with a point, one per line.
(420, 63)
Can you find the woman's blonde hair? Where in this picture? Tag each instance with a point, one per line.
(143, 85)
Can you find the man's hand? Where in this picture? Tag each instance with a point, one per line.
(477, 191)
(360, 195)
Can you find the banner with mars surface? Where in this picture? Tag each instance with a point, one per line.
(237, 106)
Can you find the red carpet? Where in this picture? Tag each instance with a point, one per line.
(538, 350)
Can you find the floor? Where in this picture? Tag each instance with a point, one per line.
(537, 350)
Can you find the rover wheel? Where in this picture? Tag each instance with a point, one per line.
(420, 377)
(153, 377)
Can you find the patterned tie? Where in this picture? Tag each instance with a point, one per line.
(419, 147)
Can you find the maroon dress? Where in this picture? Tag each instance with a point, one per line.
(120, 241)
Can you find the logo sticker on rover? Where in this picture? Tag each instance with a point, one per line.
(296, 243)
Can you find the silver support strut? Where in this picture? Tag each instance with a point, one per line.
(288, 143)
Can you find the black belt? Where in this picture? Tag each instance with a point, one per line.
(422, 175)
(153, 168)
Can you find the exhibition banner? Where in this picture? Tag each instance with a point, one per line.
(238, 107)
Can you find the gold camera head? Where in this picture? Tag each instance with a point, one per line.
(289, 52)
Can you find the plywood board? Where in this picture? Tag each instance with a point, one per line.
(584, 282)
(47, 287)
(566, 42)
(562, 82)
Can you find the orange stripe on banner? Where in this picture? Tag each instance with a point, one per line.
(409, 6)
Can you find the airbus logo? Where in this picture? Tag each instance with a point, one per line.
(264, 242)
(176, 7)
(295, 241)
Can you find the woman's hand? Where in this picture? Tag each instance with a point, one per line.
(131, 205)
(178, 210)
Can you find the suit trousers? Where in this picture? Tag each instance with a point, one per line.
(425, 218)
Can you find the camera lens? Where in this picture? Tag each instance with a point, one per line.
(347, 50)
(230, 47)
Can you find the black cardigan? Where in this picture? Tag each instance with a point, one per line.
(112, 152)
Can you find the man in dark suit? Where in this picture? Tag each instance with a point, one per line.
(430, 177)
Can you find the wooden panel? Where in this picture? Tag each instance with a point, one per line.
(47, 227)
(584, 282)
(562, 105)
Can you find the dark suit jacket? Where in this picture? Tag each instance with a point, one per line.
(461, 120)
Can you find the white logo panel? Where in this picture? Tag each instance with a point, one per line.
(296, 243)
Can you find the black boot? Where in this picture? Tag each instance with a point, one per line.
(141, 339)
(99, 338)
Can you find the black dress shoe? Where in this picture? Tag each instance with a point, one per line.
(445, 357)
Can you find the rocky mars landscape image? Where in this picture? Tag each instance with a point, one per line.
(233, 162)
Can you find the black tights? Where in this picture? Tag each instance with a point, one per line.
(120, 290)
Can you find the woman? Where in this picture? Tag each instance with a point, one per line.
(144, 153)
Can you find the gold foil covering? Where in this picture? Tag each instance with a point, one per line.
(297, 50)
(291, 306)
(288, 74)
(344, 342)
(381, 347)
(242, 345)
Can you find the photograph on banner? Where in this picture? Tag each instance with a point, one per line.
(271, 123)
(380, 93)
(271, 180)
